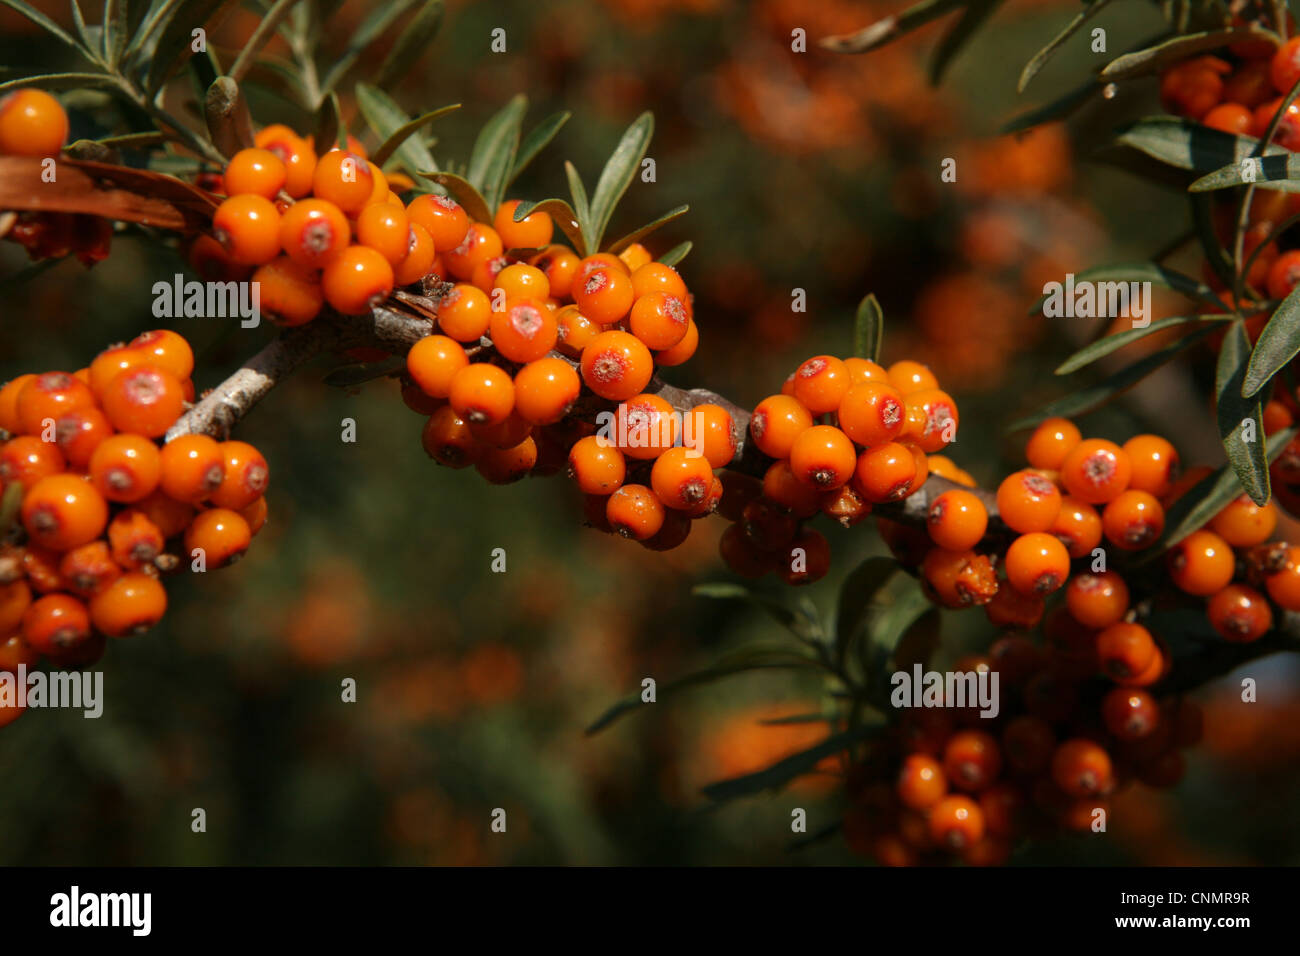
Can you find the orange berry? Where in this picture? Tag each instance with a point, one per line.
(823, 456)
(167, 350)
(1240, 614)
(931, 418)
(634, 511)
(313, 233)
(1082, 768)
(657, 277)
(192, 467)
(957, 520)
(1193, 87)
(384, 227)
(170, 516)
(545, 390)
(1125, 650)
(1242, 523)
(531, 232)
(256, 514)
(782, 487)
(820, 384)
(646, 426)
(1097, 599)
(1202, 563)
(1096, 471)
(683, 350)
(885, 472)
(1230, 118)
(480, 243)
(420, 259)
(681, 478)
(1028, 501)
(56, 623)
(972, 760)
(958, 578)
(143, 399)
(1051, 442)
(246, 477)
(616, 365)
(26, 460)
(872, 413)
(433, 361)
(443, 218)
(32, 123)
(15, 598)
(597, 467)
(742, 555)
(1133, 520)
(464, 313)
(485, 273)
(520, 280)
(134, 540)
(709, 429)
(125, 468)
(1037, 563)
(863, 370)
(603, 295)
(63, 511)
(9, 403)
(1129, 713)
(777, 421)
(482, 394)
(506, 434)
(298, 157)
(221, 534)
(129, 606)
(1155, 463)
(921, 782)
(807, 560)
(47, 397)
(290, 293)
(447, 439)
(345, 179)
(248, 227)
(956, 822)
(1078, 526)
(1284, 68)
(255, 171)
(500, 466)
(659, 320)
(908, 377)
(357, 280)
(559, 264)
(524, 331)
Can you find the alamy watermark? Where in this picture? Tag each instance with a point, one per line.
(952, 689)
(82, 690)
(208, 300)
(1085, 299)
(636, 427)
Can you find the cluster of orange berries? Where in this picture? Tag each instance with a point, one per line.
(846, 434)
(33, 123)
(99, 500)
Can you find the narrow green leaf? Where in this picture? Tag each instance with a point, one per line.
(63, 81)
(266, 28)
(395, 129)
(581, 207)
(1156, 58)
(1151, 272)
(891, 27)
(636, 235)
(1057, 109)
(561, 214)
(463, 191)
(1278, 344)
(1240, 420)
(1207, 235)
(175, 41)
(1185, 144)
(412, 43)
(958, 35)
(136, 140)
(1094, 396)
(1280, 172)
(400, 135)
(1112, 343)
(617, 175)
(677, 253)
(329, 124)
(869, 329)
(494, 151)
(88, 39)
(1041, 58)
(795, 621)
(45, 23)
(371, 29)
(537, 140)
(350, 376)
(783, 771)
(794, 719)
(117, 30)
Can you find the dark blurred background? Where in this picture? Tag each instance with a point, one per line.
(803, 170)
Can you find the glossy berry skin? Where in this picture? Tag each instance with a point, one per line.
(482, 394)
(1126, 650)
(1133, 520)
(62, 512)
(545, 390)
(820, 384)
(166, 350)
(616, 365)
(314, 232)
(433, 361)
(298, 157)
(1078, 526)
(465, 313)
(972, 760)
(223, 536)
(519, 280)
(248, 227)
(88, 569)
(442, 218)
(957, 520)
(1081, 768)
(1130, 713)
(681, 479)
(657, 277)
(144, 399)
(1097, 599)
(1096, 471)
(524, 331)
(683, 350)
(26, 460)
(358, 279)
(385, 228)
(126, 468)
(192, 468)
(246, 476)
(9, 403)
(534, 231)
(1154, 462)
(1028, 501)
(135, 541)
(255, 171)
(908, 377)
(956, 822)
(15, 598)
(481, 244)
(931, 419)
(448, 440)
(345, 179)
(501, 466)
(604, 295)
(1232, 118)
(45, 398)
(634, 511)
(1201, 564)
(776, 422)
(921, 782)
(958, 578)
(872, 413)
(32, 123)
(1242, 523)
(421, 258)
(823, 457)
(782, 487)
(1037, 563)
(56, 623)
(130, 605)
(646, 426)
(506, 434)
(1240, 614)
(885, 473)
(596, 466)
(290, 293)
(1284, 68)
(659, 320)
(1193, 87)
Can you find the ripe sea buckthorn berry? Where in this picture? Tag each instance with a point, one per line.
(959, 578)
(385, 228)
(345, 179)
(125, 468)
(313, 232)
(1202, 563)
(15, 598)
(604, 295)
(1051, 442)
(781, 486)
(1129, 713)
(448, 440)
(485, 273)
(769, 526)
(249, 228)
(520, 280)
(1287, 136)
(1082, 768)
(56, 622)
(108, 364)
(524, 331)
(681, 478)
(885, 472)
(1240, 613)
(1193, 87)
(673, 533)
(223, 536)
(482, 394)
(9, 403)
(635, 256)
(956, 822)
(1012, 609)
(1096, 471)
(481, 243)
(616, 365)
(1078, 526)
(299, 159)
(464, 313)
(971, 760)
(821, 383)
(598, 467)
(192, 468)
(143, 399)
(1097, 599)
(420, 260)
(545, 390)
(500, 466)
(32, 123)
(246, 477)
(559, 264)
(88, 568)
(1133, 520)
(171, 516)
(1230, 118)
(167, 350)
(62, 512)
(844, 505)
(506, 434)
(14, 651)
(1284, 274)
(134, 540)
(683, 350)
(659, 320)
(574, 331)
(1126, 650)
(1242, 523)
(1154, 462)
(290, 293)
(863, 370)
(931, 418)
(357, 280)
(1037, 563)
(130, 605)
(443, 218)
(921, 782)
(1284, 67)
(48, 396)
(777, 421)
(256, 514)
(647, 426)
(634, 511)
(742, 555)
(710, 430)
(26, 460)
(823, 456)
(957, 520)
(255, 171)
(433, 361)
(1028, 501)
(41, 566)
(531, 232)
(908, 377)
(657, 277)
